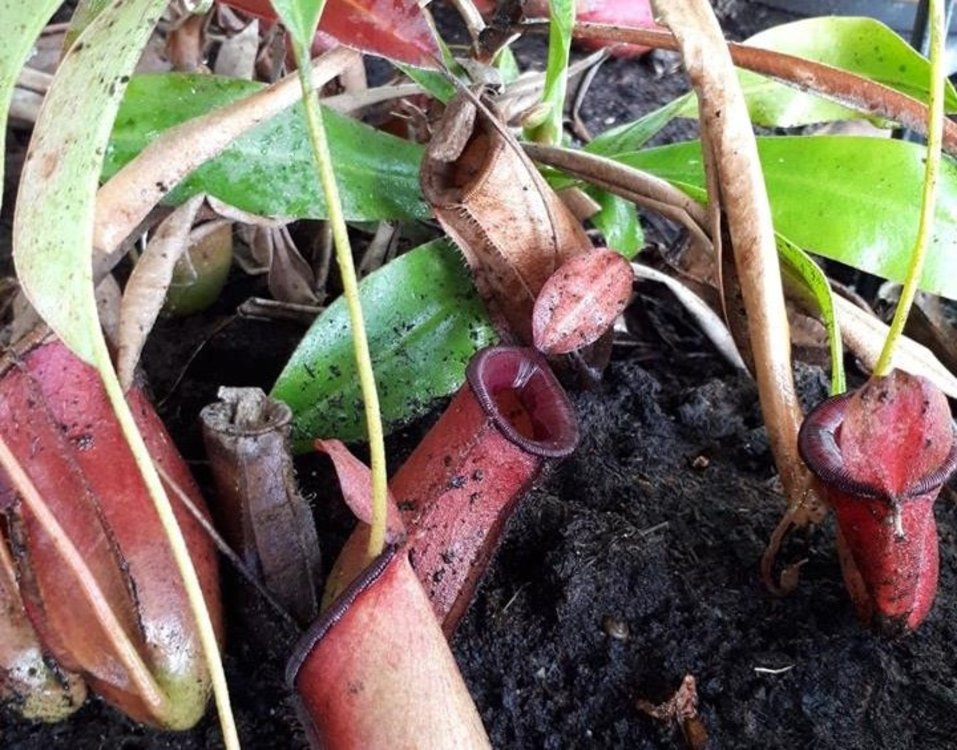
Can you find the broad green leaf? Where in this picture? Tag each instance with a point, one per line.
(561, 19)
(847, 198)
(858, 45)
(424, 321)
(270, 171)
(300, 17)
(805, 275)
(862, 46)
(618, 222)
(22, 24)
(53, 230)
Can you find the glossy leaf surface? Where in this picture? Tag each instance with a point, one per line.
(270, 170)
(858, 45)
(424, 321)
(618, 222)
(850, 199)
(862, 46)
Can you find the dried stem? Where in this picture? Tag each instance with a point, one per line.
(731, 159)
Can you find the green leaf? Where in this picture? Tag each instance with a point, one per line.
(86, 11)
(618, 222)
(561, 20)
(858, 45)
(805, 275)
(22, 24)
(847, 198)
(300, 17)
(424, 321)
(633, 135)
(270, 170)
(53, 231)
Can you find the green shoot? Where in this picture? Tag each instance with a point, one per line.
(935, 129)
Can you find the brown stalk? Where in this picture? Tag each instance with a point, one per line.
(736, 184)
(639, 187)
(133, 191)
(832, 83)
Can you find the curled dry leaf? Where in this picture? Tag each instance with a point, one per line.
(737, 189)
(290, 277)
(148, 284)
(86, 536)
(882, 453)
(511, 226)
(261, 511)
(682, 709)
(237, 54)
(711, 324)
(580, 301)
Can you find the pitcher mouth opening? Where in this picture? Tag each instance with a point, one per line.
(818, 446)
(518, 390)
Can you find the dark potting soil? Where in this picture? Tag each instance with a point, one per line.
(634, 563)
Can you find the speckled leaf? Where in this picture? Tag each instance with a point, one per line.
(850, 199)
(270, 171)
(862, 46)
(424, 321)
(22, 23)
(580, 301)
(53, 227)
(858, 45)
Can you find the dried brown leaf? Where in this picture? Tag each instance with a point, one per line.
(148, 283)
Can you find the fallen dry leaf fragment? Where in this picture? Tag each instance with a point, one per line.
(882, 454)
(681, 709)
(261, 511)
(580, 301)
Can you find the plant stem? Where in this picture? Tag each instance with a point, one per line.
(935, 128)
(194, 592)
(350, 290)
(562, 17)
